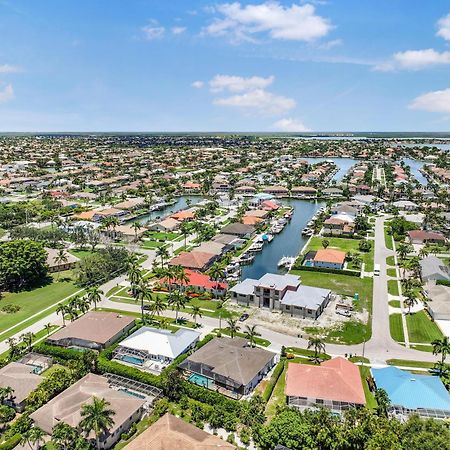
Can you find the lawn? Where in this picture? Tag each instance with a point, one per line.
(393, 287)
(410, 363)
(161, 236)
(392, 272)
(81, 253)
(278, 398)
(395, 303)
(388, 239)
(350, 332)
(306, 352)
(421, 329)
(346, 245)
(370, 399)
(32, 302)
(390, 261)
(396, 327)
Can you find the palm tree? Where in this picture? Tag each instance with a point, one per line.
(143, 292)
(136, 226)
(163, 254)
(216, 273)
(410, 300)
(383, 402)
(48, 328)
(27, 339)
(325, 243)
(96, 417)
(60, 258)
(180, 276)
(6, 393)
(233, 327)
(423, 253)
(134, 277)
(196, 312)
(403, 250)
(33, 437)
(13, 348)
(251, 334)
(62, 309)
(185, 230)
(157, 306)
(318, 345)
(94, 295)
(442, 347)
(178, 301)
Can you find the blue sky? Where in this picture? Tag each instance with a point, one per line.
(155, 65)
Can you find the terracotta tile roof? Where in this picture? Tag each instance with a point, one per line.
(337, 379)
(330, 255)
(192, 260)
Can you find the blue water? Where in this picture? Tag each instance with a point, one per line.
(308, 264)
(415, 169)
(133, 360)
(200, 380)
(288, 243)
(132, 393)
(344, 164)
(181, 203)
(428, 144)
(36, 369)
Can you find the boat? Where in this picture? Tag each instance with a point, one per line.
(269, 237)
(256, 247)
(286, 262)
(247, 258)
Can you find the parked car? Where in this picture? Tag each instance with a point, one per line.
(244, 317)
(344, 312)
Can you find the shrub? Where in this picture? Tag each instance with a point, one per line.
(352, 273)
(273, 381)
(11, 442)
(10, 308)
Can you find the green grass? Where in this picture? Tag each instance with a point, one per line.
(388, 239)
(346, 245)
(391, 272)
(81, 253)
(390, 261)
(393, 287)
(161, 236)
(32, 302)
(396, 327)
(278, 398)
(362, 359)
(395, 303)
(421, 329)
(423, 348)
(258, 340)
(153, 244)
(364, 371)
(306, 352)
(350, 332)
(410, 363)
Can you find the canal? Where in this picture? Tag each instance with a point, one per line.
(343, 164)
(415, 166)
(182, 202)
(288, 243)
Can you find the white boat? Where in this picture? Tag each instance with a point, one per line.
(270, 237)
(256, 247)
(286, 261)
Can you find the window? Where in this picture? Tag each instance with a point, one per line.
(287, 307)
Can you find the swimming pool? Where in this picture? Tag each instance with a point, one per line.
(201, 380)
(133, 360)
(36, 369)
(132, 393)
(308, 263)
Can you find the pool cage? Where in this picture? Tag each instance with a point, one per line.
(121, 351)
(151, 393)
(402, 413)
(39, 362)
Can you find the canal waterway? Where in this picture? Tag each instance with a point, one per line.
(416, 165)
(288, 243)
(343, 164)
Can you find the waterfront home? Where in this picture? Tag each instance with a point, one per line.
(282, 292)
(238, 229)
(405, 205)
(259, 198)
(130, 204)
(335, 384)
(426, 237)
(245, 190)
(251, 220)
(213, 247)
(102, 214)
(55, 264)
(170, 432)
(94, 330)
(303, 191)
(165, 225)
(191, 188)
(198, 282)
(127, 233)
(277, 190)
(329, 258)
(437, 300)
(153, 349)
(411, 393)
(194, 260)
(23, 379)
(66, 408)
(332, 192)
(228, 365)
(336, 226)
(182, 216)
(230, 242)
(270, 205)
(433, 268)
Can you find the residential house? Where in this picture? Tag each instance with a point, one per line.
(165, 225)
(438, 300)
(426, 237)
(194, 260)
(329, 258)
(433, 268)
(238, 229)
(55, 264)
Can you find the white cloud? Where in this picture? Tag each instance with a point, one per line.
(290, 125)
(444, 27)
(178, 30)
(259, 101)
(239, 84)
(153, 31)
(435, 101)
(198, 84)
(414, 60)
(241, 22)
(7, 93)
(8, 68)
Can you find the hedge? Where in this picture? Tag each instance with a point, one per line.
(352, 273)
(60, 354)
(11, 442)
(273, 380)
(443, 282)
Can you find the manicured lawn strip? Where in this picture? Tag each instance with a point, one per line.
(306, 352)
(396, 327)
(81, 253)
(278, 397)
(370, 399)
(244, 248)
(393, 287)
(153, 244)
(421, 328)
(390, 261)
(395, 303)
(31, 302)
(423, 348)
(161, 236)
(258, 341)
(410, 363)
(388, 239)
(391, 272)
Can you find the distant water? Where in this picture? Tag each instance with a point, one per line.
(344, 164)
(429, 144)
(415, 169)
(288, 243)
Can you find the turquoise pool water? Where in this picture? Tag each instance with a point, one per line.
(133, 360)
(200, 380)
(36, 369)
(308, 264)
(132, 393)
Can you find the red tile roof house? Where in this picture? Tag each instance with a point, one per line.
(329, 258)
(194, 260)
(269, 205)
(424, 237)
(335, 384)
(199, 282)
(337, 227)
